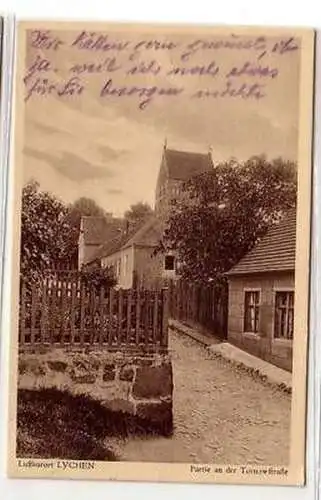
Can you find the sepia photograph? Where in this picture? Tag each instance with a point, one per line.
(161, 252)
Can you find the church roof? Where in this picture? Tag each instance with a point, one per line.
(183, 164)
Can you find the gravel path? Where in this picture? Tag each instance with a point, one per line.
(221, 415)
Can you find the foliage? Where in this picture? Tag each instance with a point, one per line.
(86, 206)
(50, 230)
(45, 231)
(96, 277)
(54, 423)
(137, 214)
(224, 212)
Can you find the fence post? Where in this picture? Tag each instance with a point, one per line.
(164, 338)
(101, 316)
(63, 312)
(82, 315)
(34, 304)
(129, 315)
(73, 311)
(120, 316)
(155, 316)
(146, 317)
(43, 320)
(23, 313)
(111, 313)
(138, 312)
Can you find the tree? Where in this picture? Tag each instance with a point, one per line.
(137, 214)
(86, 206)
(224, 212)
(45, 232)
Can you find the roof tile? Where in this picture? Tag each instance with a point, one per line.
(275, 251)
(183, 164)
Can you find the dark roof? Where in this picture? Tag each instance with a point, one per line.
(148, 234)
(182, 164)
(275, 251)
(96, 230)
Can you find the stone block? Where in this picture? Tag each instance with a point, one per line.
(86, 378)
(57, 366)
(22, 366)
(109, 372)
(153, 381)
(33, 366)
(158, 416)
(144, 361)
(127, 373)
(84, 370)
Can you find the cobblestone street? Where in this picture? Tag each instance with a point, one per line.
(221, 415)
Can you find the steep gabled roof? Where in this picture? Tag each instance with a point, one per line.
(275, 251)
(147, 235)
(96, 230)
(183, 164)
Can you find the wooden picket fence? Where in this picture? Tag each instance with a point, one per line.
(201, 306)
(66, 312)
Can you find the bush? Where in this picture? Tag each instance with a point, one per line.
(96, 278)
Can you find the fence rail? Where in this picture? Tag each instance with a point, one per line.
(67, 313)
(202, 305)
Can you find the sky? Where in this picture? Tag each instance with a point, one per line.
(107, 149)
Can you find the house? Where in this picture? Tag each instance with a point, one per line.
(134, 258)
(175, 168)
(132, 255)
(261, 296)
(94, 231)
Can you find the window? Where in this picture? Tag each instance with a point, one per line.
(251, 311)
(169, 263)
(284, 315)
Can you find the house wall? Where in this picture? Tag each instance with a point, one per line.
(85, 252)
(123, 265)
(148, 267)
(262, 344)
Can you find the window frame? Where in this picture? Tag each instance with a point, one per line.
(256, 306)
(172, 269)
(287, 290)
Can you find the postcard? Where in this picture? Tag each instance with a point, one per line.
(162, 178)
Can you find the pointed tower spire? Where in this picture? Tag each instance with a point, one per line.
(165, 143)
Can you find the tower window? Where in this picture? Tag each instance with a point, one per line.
(169, 263)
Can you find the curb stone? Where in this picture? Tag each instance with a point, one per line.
(255, 373)
(210, 346)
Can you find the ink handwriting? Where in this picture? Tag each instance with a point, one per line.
(45, 87)
(142, 70)
(45, 40)
(145, 94)
(97, 42)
